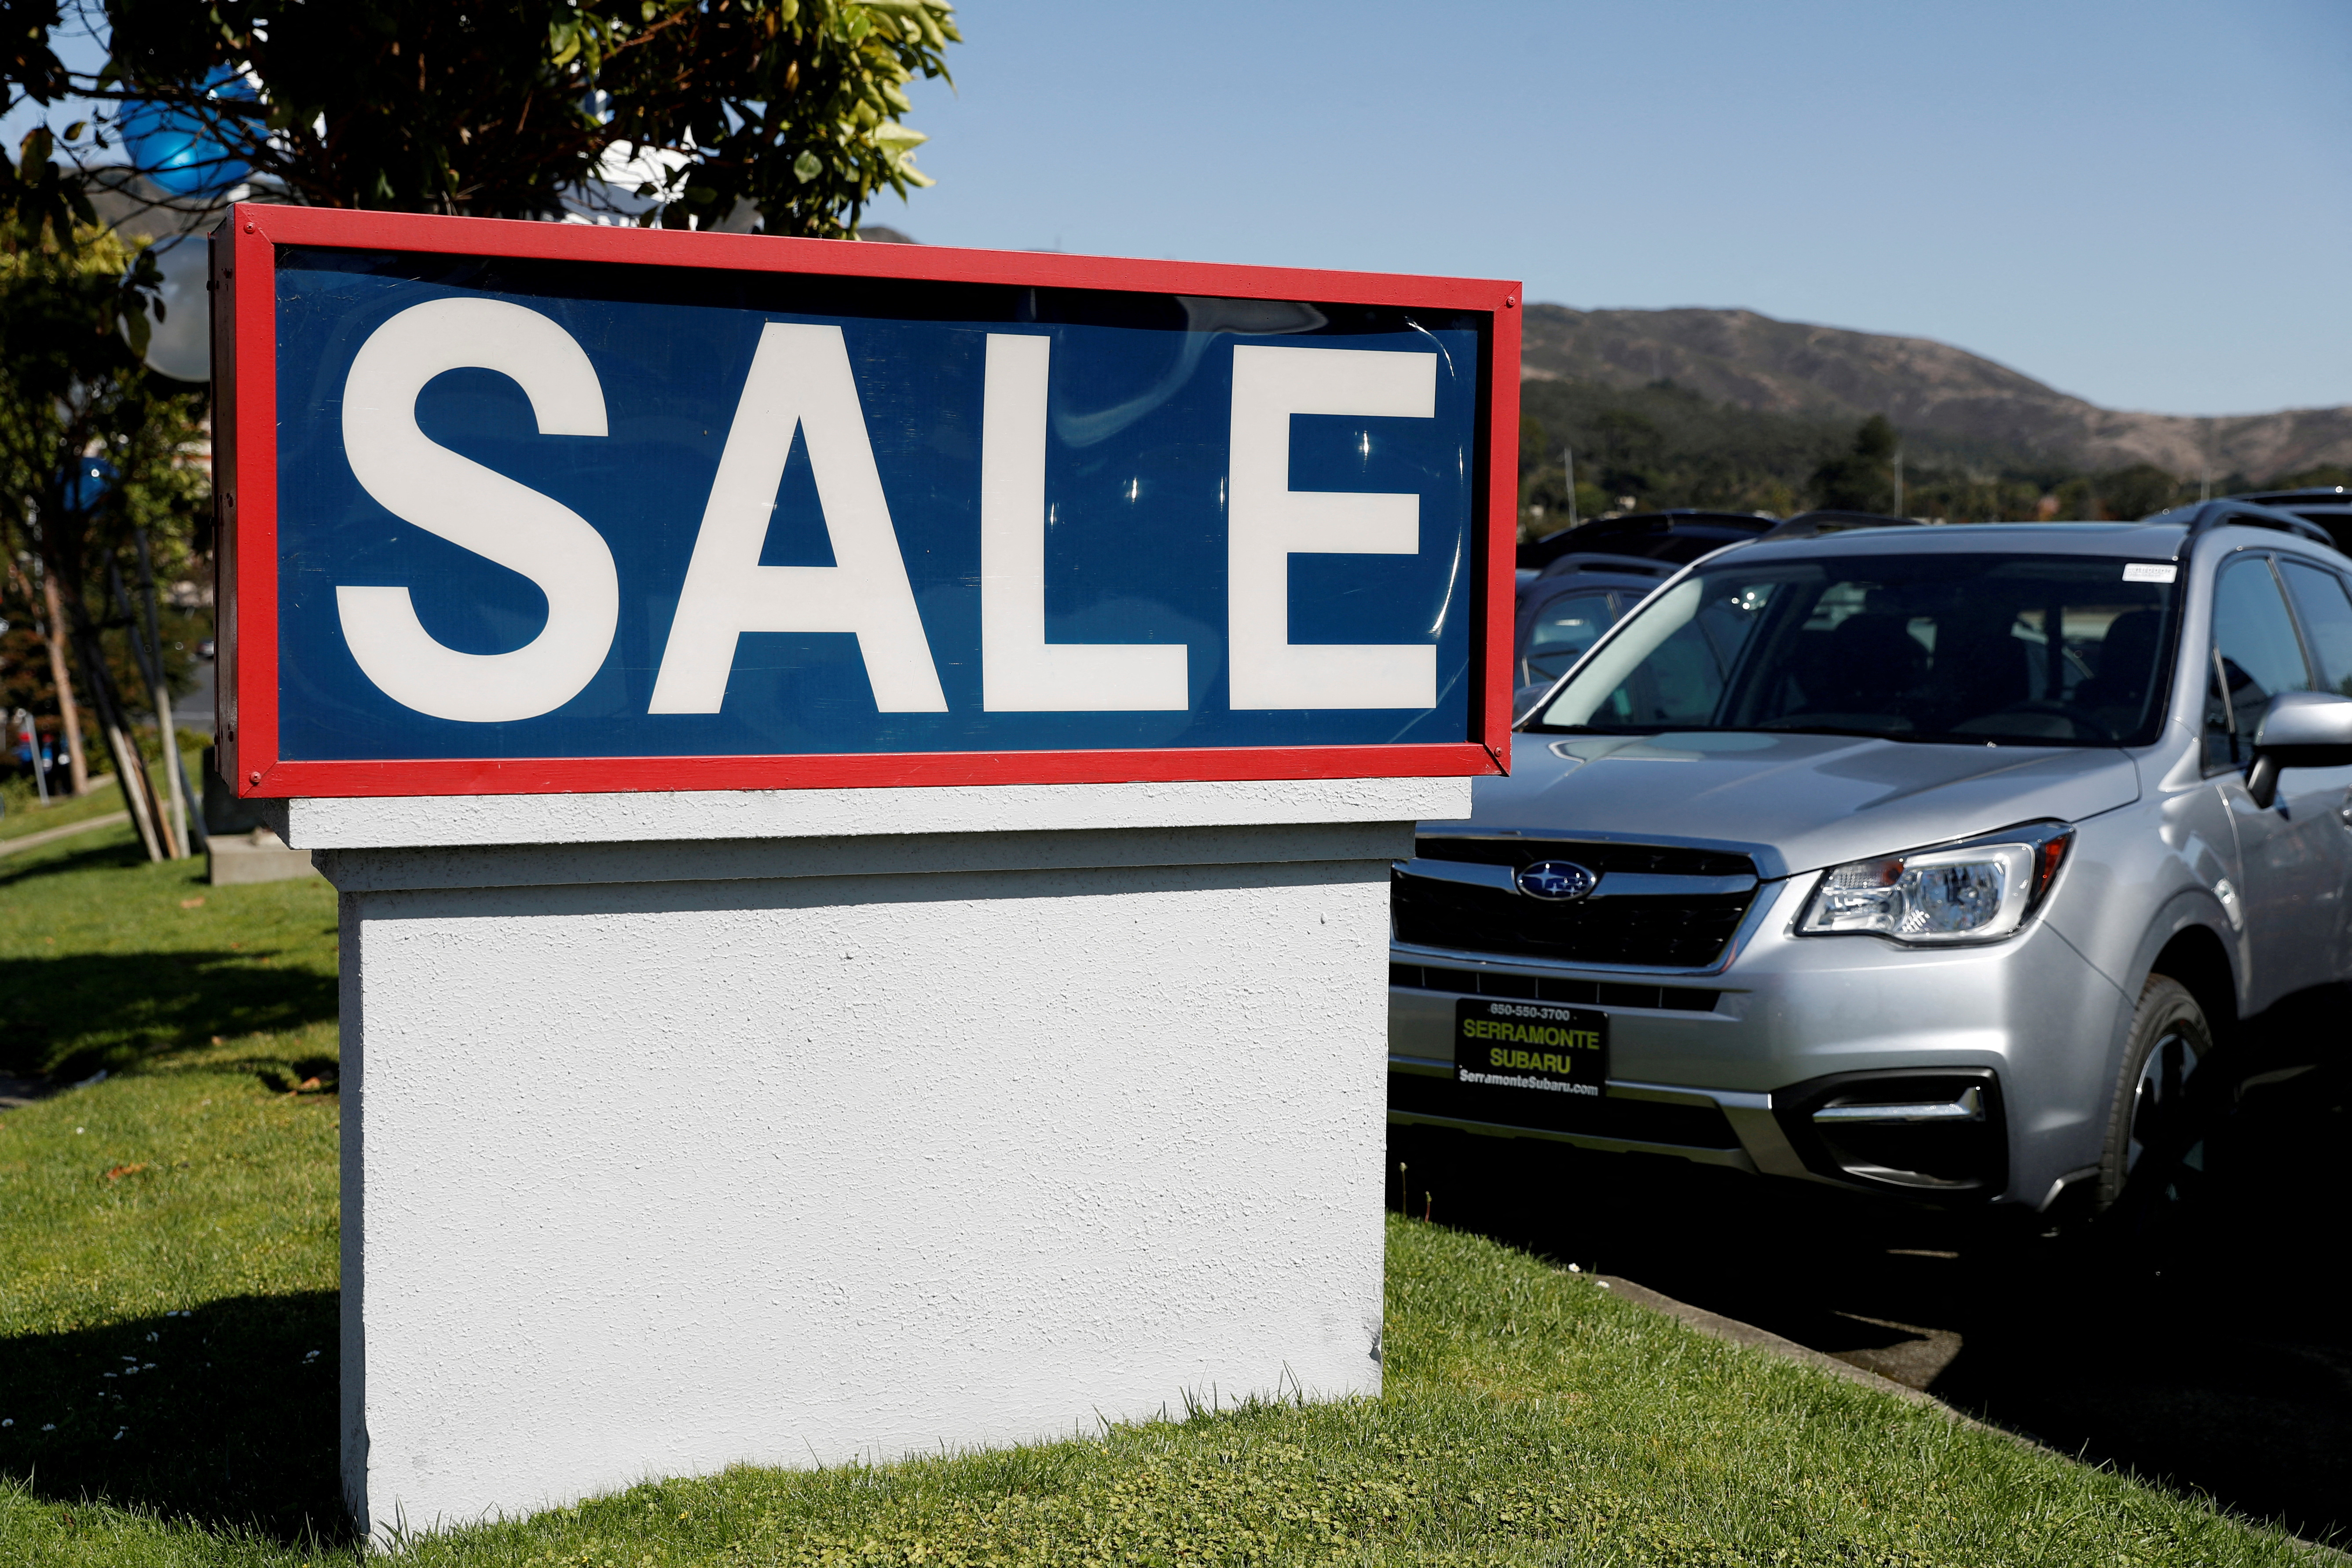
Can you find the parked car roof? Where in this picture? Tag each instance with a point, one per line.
(1830, 519)
(1588, 561)
(2329, 506)
(1679, 534)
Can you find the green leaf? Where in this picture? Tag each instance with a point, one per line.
(806, 168)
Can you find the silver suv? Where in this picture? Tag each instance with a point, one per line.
(1929, 860)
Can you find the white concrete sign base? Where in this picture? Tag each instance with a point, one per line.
(804, 1126)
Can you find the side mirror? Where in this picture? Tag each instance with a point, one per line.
(2302, 730)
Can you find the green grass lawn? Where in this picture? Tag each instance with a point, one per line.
(22, 813)
(175, 1226)
(25, 817)
(107, 961)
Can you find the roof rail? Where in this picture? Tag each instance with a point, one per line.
(1600, 561)
(1811, 524)
(2219, 513)
(2309, 495)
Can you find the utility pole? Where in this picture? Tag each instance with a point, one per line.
(1898, 479)
(1567, 464)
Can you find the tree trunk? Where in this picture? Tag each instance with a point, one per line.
(187, 804)
(69, 714)
(147, 655)
(130, 769)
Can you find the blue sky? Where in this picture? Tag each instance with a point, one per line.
(2148, 203)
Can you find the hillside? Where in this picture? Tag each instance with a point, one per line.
(1969, 406)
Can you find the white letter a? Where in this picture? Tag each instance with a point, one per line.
(800, 379)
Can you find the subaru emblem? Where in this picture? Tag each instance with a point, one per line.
(1559, 880)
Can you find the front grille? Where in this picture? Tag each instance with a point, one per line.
(1653, 859)
(1635, 1120)
(1542, 988)
(1687, 933)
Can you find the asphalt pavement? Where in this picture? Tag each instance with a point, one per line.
(2205, 1343)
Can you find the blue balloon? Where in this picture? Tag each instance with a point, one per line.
(175, 149)
(88, 483)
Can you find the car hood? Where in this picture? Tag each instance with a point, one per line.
(1795, 803)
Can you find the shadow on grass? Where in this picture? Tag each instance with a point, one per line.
(17, 870)
(228, 1421)
(72, 1014)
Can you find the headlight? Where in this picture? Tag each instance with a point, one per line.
(1979, 891)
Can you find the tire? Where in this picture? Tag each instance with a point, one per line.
(2169, 1037)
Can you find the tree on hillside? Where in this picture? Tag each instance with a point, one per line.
(785, 114)
(2131, 494)
(1862, 479)
(2320, 478)
(1627, 449)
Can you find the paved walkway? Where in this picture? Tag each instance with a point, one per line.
(51, 835)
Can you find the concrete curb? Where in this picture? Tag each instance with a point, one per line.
(1731, 1330)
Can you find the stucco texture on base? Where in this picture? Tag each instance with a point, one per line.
(652, 1177)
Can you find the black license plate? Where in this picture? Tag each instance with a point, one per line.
(1531, 1061)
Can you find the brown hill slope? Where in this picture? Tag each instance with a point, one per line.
(1967, 401)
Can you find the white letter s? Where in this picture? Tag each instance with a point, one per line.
(479, 510)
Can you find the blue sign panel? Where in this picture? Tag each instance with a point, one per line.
(529, 508)
(521, 507)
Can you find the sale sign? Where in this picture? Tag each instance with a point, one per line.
(513, 507)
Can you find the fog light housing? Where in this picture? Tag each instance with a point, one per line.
(1934, 1133)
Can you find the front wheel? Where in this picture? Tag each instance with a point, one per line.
(2168, 1037)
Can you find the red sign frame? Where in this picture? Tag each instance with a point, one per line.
(245, 403)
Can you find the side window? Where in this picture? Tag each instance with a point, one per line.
(2258, 659)
(2324, 609)
(1560, 631)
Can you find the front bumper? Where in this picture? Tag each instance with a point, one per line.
(1731, 1066)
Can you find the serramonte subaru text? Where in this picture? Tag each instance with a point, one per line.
(1930, 860)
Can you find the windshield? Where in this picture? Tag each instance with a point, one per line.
(2038, 650)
